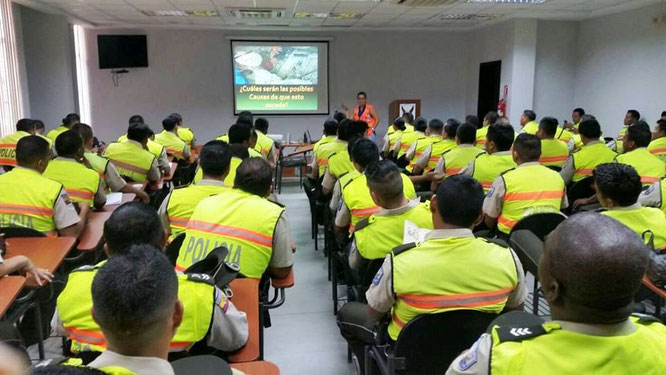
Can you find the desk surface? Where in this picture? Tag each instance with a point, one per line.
(127, 197)
(257, 368)
(294, 144)
(44, 252)
(10, 287)
(246, 299)
(92, 234)
(302, 149)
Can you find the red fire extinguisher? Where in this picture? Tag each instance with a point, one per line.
(501, 105)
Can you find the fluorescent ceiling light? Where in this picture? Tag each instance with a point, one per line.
(344, 16)
(534, 2)
(464, 16)
(180, 13)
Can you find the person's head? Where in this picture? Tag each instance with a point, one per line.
(240, 134)
(663, 115)
(547, 128)
(364, 152)
(435, 127)
(399, 124)
(589, 130)
(139, 132)
(526, 148)
(70, 120)
(617, 184)
(339, 116)
(239, 151)
(503, 120)
(490, 118)
(472, 119)
(26, 125)
(577, 115)
(499, 138)
(342, 129)
(69, 144)
(591, 267)
(254, 176)
(466, 134)
(245, 118)
(133, 223)
(178, 117)
(86, 133)
(361, 98)
(65, 370)
(214, 160)
(385, 184)
(33, 152)
(170, 124)
(420, 124)
(659, 129)
(527, 116)
(408, 117)
(261, 124)
(135, 302)
(457, 203)
(631, 117)
(40, 128)
(356, 129)
(638, 135)
(136, 119)
(451, 128)
(330, 127)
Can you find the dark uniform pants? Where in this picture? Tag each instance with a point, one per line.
(357, 328)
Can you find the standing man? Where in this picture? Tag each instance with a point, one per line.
(364, 112)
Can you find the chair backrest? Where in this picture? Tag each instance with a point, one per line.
(581, 189)
(528, 248)
(555, 168)
(429, 343)
(173, 248)
(539, 224)
(202, 365)
(11, 232)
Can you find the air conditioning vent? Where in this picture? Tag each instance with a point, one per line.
(256, 13)
(426, 3)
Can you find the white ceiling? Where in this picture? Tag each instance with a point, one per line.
(370, 14)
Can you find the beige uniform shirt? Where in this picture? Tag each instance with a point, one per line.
(282, 255)
(329, 181)
(469, 169)
(441, 164)
(113, 179)
(335, 198)
(380, 295)
(138, 365)
(162, 211)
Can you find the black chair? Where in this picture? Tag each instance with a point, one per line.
(12, 232)
(555, 168)
(202, 365)
(429, 343)
(317, 208)
(539, 224)
(296, 161)
(581, 189)
(173, 248)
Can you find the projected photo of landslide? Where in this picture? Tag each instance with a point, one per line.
(276, 65)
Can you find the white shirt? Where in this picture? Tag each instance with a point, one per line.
(139, 365)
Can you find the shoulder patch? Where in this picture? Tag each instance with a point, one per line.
(85, 268)
(518, 334)
(378, 276)
(402, 248)
(364, 223)
(201, 278)
(470, 358)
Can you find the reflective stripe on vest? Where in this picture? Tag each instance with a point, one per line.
(264, 144)
(649, 167)
(80, 182)
(407, 140)
(131, 160)
(658, 148)
(488, 167)
(439, 148)
(588, 157)
(8, 148)
(458, 158)
(553, 152)
(325, 151)
(421, 146)
(182, 202)
(481, 135)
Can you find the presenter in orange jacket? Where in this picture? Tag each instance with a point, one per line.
(364, 112)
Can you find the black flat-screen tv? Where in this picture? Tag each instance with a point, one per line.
(122, 51)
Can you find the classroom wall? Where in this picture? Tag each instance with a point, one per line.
(195, 79)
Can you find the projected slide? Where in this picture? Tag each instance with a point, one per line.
(280, 77)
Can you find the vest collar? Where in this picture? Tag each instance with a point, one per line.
(501, 153)
(635, 206)
(465, 145)
(21, 132)
(400, 210)
(133, 142)
(528, 164)
(208, 182)
(592, 143)
(62, 158)
(139, 365)
(439, 234)
(26, 170)
(619, 329)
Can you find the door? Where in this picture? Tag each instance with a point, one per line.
(489, 87)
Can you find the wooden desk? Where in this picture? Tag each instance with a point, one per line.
(246, 299)
(157, 185)
(257, 368)
(44, 252)
(92, 234)
(10, 287)
(302, 149)
(127, 197)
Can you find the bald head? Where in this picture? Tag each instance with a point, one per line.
(591, 268)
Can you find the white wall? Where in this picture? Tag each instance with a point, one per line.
(622, 65)
(189, 72)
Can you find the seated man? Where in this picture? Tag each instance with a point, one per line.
(81, 183)
(132, 158)
(657, 146)
(106, 170)
(636, 140)
(30, 200)
(554, 152)
(528, 122)
(593, 152)
(395, 131)
(40, 129)
(209, 316)
(425, 278)
(489, 119)
(265, 144)
(177, 206)
(241, 134)
(155, 148)
(497, 159)
(632, 117)
(238, 154)
(357, 202)
(375, 236)
(258, 246)
(447, 143)
(67, 123)
(528, 189)
(339, 163)
(186, 134)
(407, 139)
(419, 154)
(618, 187)
(24, 128)
(590, 271)
(319, 161)
(454, 160)
(169, 138)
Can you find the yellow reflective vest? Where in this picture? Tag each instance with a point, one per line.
(458, 158)
(172, 143)
(8, 148)
(481, 135)
(643, 220)
(649, 167)
(434, 276)
(182, 202)
(27, 200)
(554, 153)
(619, 141)
(658, 148)
(421, 146)
(530, 189)
(99, 164)
(407, 140)
(564, 135)
(187, 135)
(231, 176)
(131, 160)
(531, 127)
(80, 182)
(325, 151)
(438, 149)
(154, 147)
(408, 129)
(53, 134)
(339, 164)
(322, 141)
(588, 157)
(487, 167)
(264, 144)
(230, 220)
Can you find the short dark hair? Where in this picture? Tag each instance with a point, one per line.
(549, 126)
(177, 116)
(132, 223)
(31, 148)
(68, 143)
(169, 123)
(343, 126)
(385, 179)
(408, 117)
(361, 93)
(661, 124)
(502, 135)
(580, 111)
(420, 124)
(528, 147)
(339, 116)
(71, 119)
(364, 152)
(451, 127)
(245, 118)
(215, 158)
(474, 120)
(330, 127)
(65, 370)
(84, 130)
(239, 151)
(640, 133)
(239, 133)
(459, 200)
(634, 114)
(25, 125)
(491, 117)
(590, 128)
(663, 113)
(133, 293)
(358, 128)
(400, 123)
(619, 182)
(136, 119)
(39, 124)
(254, 176)
(261, 124)
(138, 131)
(466, 134)
(436, 125)
(530, 114)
